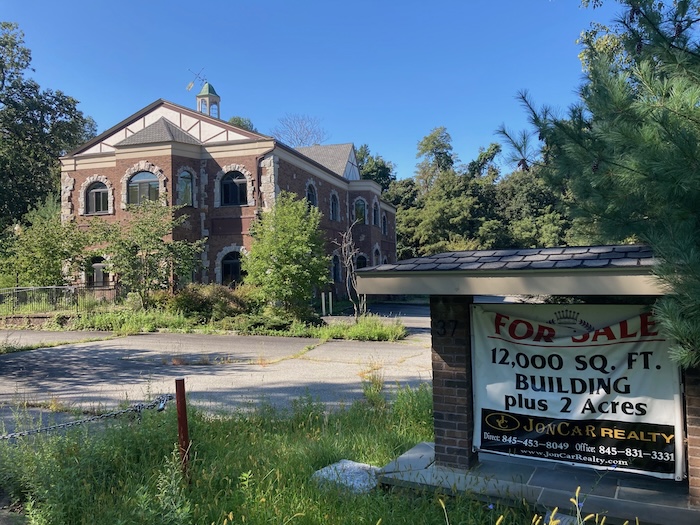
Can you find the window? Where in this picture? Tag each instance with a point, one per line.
(361, 261)
(96, 275)
(337, 270)
(385, 226)
(234, 189)
(360, 211)
(376, 258)
(335, 208)
(311, 195)
(97, 199)
(375, 214)
(231, 268)
(142, 187)
(184, 189)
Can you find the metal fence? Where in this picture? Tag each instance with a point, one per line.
(19, 301)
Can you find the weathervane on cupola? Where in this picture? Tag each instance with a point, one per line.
(208, 101)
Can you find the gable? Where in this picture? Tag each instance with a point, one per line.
(339, 158)
(201, 128)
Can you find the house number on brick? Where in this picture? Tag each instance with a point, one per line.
(442, 327)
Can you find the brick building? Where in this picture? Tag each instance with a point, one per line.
(224, 176)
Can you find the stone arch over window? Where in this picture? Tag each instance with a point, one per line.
(385, 225)
(375, 213)
(359, 210)
(376, 255)
(143, 167)
(227, 268)
(186, 187)
(361, 261)
(96, 274)
(84, 198)
(311, 193)
(233, 169)
(335, 206)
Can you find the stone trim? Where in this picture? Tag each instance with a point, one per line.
(195, 183)
(352, 209)
(250, 195)
(144, 165)
(83, 190)
(375, 203)
(220, 257)
(311, 183)
(330, 206)
(67, 187)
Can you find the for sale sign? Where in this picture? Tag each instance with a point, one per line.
(586, 385)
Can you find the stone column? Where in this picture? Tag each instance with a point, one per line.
(453, 409)
(692, 412)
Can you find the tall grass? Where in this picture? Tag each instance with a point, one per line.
(253, 467)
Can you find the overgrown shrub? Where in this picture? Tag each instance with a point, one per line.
(209, 302)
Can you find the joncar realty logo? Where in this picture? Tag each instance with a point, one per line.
(503, 422)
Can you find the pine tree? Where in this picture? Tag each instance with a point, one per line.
(628, 153)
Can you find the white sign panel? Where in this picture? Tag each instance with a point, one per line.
(582, 384)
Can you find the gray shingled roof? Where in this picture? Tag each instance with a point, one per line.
(569, 258)
(332, 156)
(162, 130)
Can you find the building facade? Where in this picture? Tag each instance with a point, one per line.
(224, 177)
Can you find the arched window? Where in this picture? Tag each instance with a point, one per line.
(335, 208)
(97, 199)
(376, 257)
(96, 275)
(184, 189)
(386, 260)
(337, 270)
(361, 261)
(375, 214)
(214, 110)
(385, 225)
(234, 189)
(231, 268)
(311, 197)
(142, 187)
(361, 211)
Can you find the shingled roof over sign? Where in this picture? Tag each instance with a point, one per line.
(528, 259)
(578, 270)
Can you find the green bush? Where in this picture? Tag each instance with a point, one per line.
(209, 302)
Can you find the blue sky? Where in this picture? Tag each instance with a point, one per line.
(379, 72)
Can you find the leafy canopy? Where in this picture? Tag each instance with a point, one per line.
(142, 252)
(36, 127)
(287, 260)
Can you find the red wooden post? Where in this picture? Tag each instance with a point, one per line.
(182, 429)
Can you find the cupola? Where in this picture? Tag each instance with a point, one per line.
(208, 102)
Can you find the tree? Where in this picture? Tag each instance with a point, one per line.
(436, 151)
(287, 260)
(41, 251)
(348, 256)
(374, 167)
(142, 252)
(627, 154)
(243, 123)
(36, 127)
(299, 130)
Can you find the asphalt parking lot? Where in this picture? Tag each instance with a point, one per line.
(221, 372)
